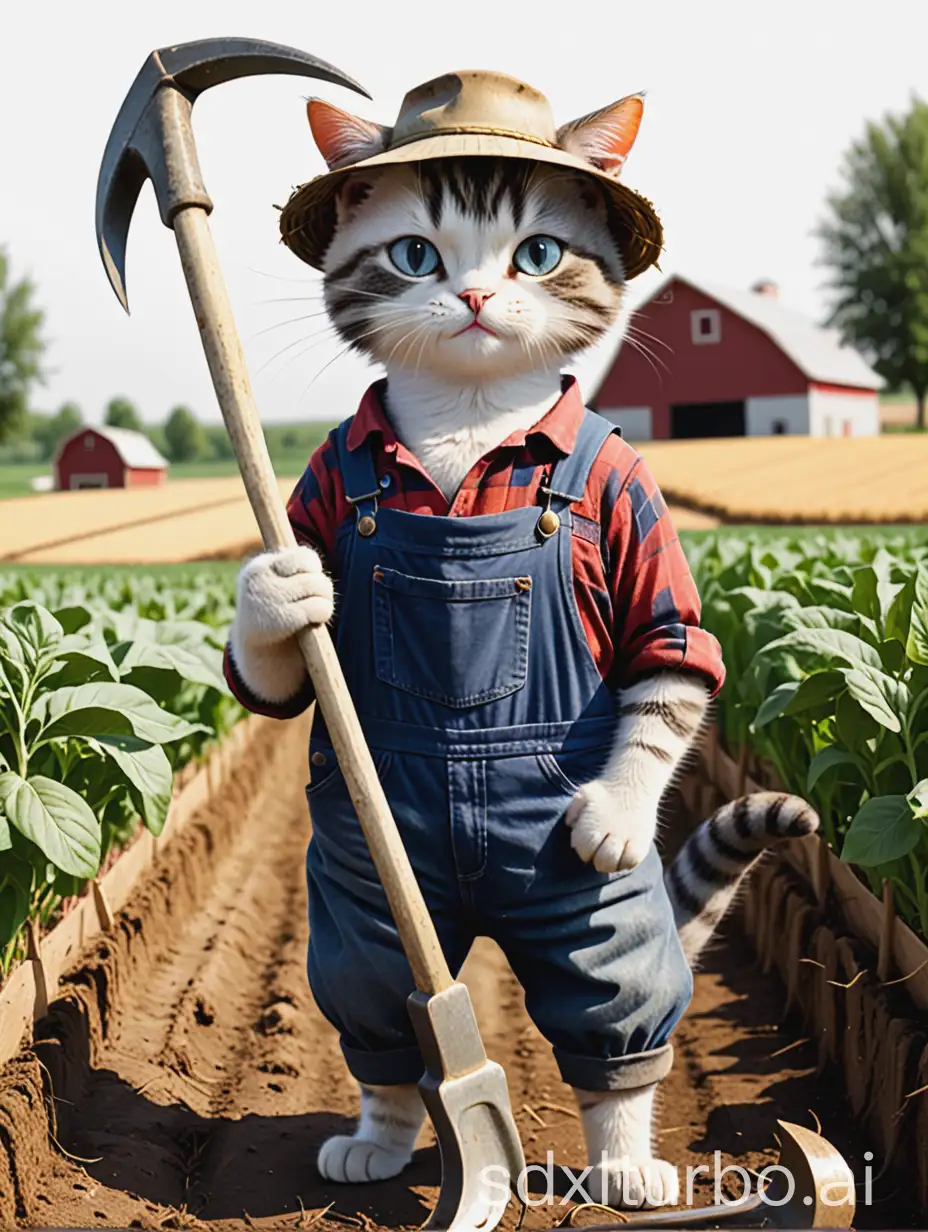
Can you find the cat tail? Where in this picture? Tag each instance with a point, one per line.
(703, 878)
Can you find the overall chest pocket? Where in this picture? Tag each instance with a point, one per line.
(459, 643)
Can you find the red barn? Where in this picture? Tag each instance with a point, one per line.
(707, 361)
(108, 458)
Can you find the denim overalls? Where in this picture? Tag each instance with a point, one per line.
(463, 649)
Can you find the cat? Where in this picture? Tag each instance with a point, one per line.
(473, 282)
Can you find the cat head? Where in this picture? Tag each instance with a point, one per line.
(474, 268)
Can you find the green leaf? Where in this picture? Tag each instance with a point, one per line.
(199, 663)
(853, 724)
(774, 705)
(885, 829)
(821, 616)
(886, 699)
(864, 591)
(82, 661)
(106, 709)
(15, 895)
(36, 626)
(147, 770)
(829, 646)
(916, 647)
(747, 598)
(56, 819)
(899, 615)
(815, 690)
(73, 618)
(893, 655)
(826, 760)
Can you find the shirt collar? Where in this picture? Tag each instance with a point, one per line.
(560, 425)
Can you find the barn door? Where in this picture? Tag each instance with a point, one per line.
(701, 419)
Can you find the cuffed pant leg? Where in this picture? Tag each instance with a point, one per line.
(359, 976)
(605, 978)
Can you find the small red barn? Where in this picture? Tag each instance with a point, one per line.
(703, 361)
(107, 458)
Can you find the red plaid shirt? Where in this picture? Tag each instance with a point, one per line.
(633, 586)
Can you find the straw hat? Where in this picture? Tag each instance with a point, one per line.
(473, 114)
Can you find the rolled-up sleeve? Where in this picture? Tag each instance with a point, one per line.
(654, 597)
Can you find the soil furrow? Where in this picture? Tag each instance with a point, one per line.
(205, 1100)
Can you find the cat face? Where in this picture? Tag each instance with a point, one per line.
(472, 268)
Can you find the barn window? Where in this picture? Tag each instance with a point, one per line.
(706, 325)
(89, 441)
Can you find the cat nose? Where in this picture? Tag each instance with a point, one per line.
(475, 298)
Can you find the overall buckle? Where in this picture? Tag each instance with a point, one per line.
(367, 522)
(549, 522)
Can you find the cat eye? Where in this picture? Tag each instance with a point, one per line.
(414, 256)
(537, 255)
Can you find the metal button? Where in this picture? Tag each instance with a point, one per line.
(385, 482)
(318, 758)
(367, 525)
(548, 523)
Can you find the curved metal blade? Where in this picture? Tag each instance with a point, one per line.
(132, 148)
(209, 62)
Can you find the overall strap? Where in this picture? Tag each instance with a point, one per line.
(569, 477)
(359, 477)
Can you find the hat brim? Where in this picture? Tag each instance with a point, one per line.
(307, 221)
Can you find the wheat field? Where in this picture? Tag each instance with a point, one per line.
(796, 479)
(777, 479)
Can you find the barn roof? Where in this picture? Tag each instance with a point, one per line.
(815, 350)
(134, 448)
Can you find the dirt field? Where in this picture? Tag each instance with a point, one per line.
(194, 1078)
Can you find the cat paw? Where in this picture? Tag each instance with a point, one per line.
(605, 832)
(353, 1161)
(634, 1184)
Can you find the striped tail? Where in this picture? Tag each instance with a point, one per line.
(704, 876)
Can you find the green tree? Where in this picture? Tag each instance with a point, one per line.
(875, 241)
(121, 413)
(184, 435)
(22, 348)
(53, 429)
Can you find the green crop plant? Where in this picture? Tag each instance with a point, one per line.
(106, 690)
(825, 641)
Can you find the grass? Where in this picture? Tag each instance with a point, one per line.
(186, 571)
(16, 477)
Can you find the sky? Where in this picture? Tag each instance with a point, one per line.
(750, 108)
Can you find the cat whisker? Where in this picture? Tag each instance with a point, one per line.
(340, 355)
(405, 338)
(636, 338)
(634, 315)
(647, 356)
(307, 346)
(310, 316)
(280, 278)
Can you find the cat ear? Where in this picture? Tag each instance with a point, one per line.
(343, 138)
(604, 138)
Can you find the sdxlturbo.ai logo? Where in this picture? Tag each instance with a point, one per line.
(775, 1185)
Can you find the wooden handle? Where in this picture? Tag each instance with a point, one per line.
(236, 401)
